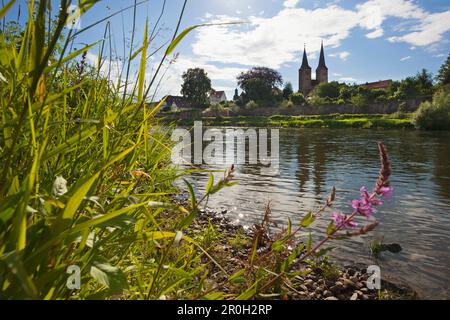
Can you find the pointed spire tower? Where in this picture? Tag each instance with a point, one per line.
(322, 70)
(304, 75)
(305, 64)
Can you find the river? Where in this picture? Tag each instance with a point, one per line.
(312, 161)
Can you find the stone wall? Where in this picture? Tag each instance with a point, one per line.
(378, 108)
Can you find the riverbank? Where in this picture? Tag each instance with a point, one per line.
(366, 121)
(231, 244)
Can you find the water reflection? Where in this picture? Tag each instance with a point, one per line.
(312, 161)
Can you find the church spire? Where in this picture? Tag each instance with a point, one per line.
(305, 64)
(322, 58)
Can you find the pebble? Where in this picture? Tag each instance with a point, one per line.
(349, 283)
(338, 286)
(354, 296)
(327, 293)
(331, 298)
(303, 287)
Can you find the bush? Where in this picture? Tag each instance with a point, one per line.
(297, 98)
(359, 100)
(287, 104)
(429, 117)
(317, 101)
(327, 90)
(434, 116)
(251, 105)
(340, 101)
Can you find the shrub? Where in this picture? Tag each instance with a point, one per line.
(359, 100)
(429, 117)
(251, 105)
(317, 101)
(297, 98)
(287, 104)
(433, 116)
(340, 101)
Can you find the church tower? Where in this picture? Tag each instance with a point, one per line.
(322, 70)
(304, 76)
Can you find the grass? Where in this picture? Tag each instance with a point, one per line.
(314, 121)
(86, 173)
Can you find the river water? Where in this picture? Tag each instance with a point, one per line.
(312, 161)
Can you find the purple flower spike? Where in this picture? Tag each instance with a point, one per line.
(341, 220)
(363, 207)
(386, 191)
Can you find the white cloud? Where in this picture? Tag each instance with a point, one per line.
(431, 30)
(342, 55)
(290, 3)
(439, 55)
(375, 34)
(112, 68)
(275, 40)
(405, 58)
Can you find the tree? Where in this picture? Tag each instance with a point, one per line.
(443, 76)
(287, 90)
(408, 88)
(259, 83)
(297, 98)
(425, 82)
(327, 90)
(196, 86)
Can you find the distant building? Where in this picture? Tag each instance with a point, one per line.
(382, 84)
(216, 97)
(175, 103)
(236, 96)
(305, 83)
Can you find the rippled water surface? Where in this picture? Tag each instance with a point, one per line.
(314, 160)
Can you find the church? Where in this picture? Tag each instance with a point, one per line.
(305, 83)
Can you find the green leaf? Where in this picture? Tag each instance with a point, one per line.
(330, 227)
(238, 277)
(15, 264)
(307, 220)
(210, 183)
(191, 194)
(214, 296)
(249, 293)
(108, 275)
(78, 196)
(6, 8)
(143, 64)
(180, 37)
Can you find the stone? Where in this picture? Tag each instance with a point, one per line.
(349, 283)
(309, 283)
(331, 298)
(327, 293)
(303, 287)
(338, 286)
(354, 296)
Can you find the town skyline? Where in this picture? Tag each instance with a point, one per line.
(365, 40)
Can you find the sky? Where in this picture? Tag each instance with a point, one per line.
(364, 40)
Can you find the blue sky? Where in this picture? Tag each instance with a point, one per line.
(365, 40)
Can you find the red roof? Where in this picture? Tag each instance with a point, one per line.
(217, 94)
(382, 84)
